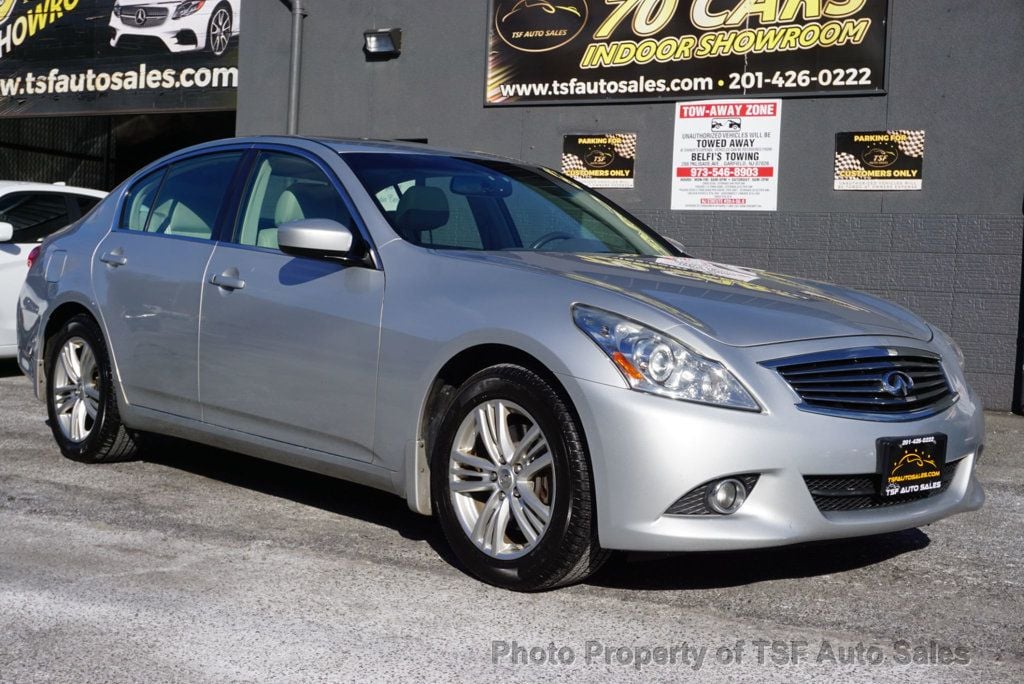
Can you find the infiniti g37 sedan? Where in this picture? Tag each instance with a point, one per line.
(507, 350)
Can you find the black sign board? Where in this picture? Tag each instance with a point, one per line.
(554, 51)
(879, 160)
(605, 160)
(101, 56)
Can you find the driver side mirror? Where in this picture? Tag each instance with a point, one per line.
(6, 231)
(315, 237)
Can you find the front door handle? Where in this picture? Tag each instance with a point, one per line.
(227, 281)
(114, 258)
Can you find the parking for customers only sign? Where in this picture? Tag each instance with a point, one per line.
(726, 155)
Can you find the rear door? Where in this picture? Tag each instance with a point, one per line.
(288, 345)
(148, 276)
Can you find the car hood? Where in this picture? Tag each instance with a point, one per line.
(731, 304)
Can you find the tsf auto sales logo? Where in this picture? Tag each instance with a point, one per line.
(539, 25)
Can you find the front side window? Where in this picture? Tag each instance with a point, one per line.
(184, 200)
(454, 203)
(34, 215)
(284, 188)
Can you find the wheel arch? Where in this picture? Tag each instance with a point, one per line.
(441, 391)
(55, 320)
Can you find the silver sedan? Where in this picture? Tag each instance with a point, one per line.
(503, 348)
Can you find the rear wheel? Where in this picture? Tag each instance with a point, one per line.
(511, 483)
(80, 397)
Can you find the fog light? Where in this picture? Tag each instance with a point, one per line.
(726, 496)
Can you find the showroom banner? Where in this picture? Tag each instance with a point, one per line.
(117, 56)
(556, 51)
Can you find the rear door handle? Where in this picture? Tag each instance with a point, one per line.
(114, 259)
(227, 281)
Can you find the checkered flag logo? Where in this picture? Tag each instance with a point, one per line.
(846, 162)
(570, 162)
(626, 147)
(913, 146)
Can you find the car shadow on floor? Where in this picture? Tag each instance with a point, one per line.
(635, 571)
(307, 488)
(9, 368)
(721, 569)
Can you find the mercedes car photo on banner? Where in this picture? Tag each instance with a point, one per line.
(105, 56)
(553, 51)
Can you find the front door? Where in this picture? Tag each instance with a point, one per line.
(148, 275)
(288, 345)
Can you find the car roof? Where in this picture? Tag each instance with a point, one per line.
(309, 143)
(340, 145)
(343, 145)
(10, 186)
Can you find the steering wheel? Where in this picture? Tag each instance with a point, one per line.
(549, 237)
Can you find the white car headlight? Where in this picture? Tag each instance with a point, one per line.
(188, 7)
(651, 361)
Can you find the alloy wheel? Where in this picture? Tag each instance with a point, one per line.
(220, 31)
(501, 479)
(76, 389)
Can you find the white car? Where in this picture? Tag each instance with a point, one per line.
(30, 212)
(182, 25)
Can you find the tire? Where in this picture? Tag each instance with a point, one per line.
(492, 501)
(218, 31)
(83, 410)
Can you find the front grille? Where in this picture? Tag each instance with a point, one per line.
(874, 383)
(692, 503)
(131, 15)
(857, 492)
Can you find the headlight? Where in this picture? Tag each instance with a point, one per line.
(653, 362)
(188, 7)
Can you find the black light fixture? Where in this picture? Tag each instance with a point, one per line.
(383, 43)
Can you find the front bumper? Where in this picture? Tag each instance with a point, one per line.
(170, 32)
(648, 451)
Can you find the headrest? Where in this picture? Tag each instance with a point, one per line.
(421, 208)
(307, 200)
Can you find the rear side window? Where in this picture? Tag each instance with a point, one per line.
(185, 200)
(140, 199)
(34, 215)
(85, 203)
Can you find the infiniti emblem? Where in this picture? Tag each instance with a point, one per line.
(897, 383)
(140, 16)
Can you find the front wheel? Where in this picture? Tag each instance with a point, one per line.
(218, 33)
(511, 483)
(80, 399)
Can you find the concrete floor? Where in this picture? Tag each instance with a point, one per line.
(197, 565)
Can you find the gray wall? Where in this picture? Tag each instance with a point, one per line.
(951, 252)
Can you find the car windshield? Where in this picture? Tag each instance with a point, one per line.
(457, 203)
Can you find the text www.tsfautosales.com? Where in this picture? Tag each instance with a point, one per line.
(697, 656)
(137, 78)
